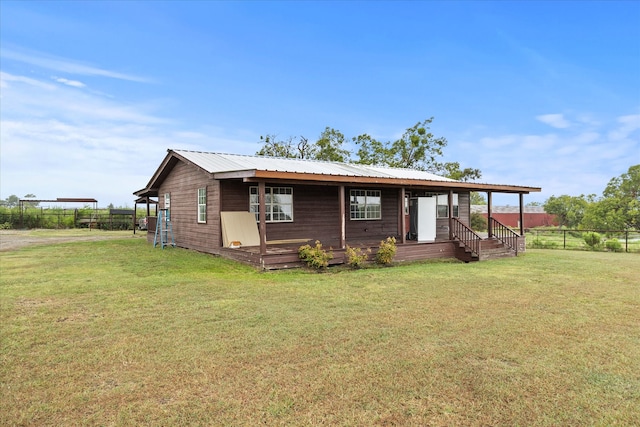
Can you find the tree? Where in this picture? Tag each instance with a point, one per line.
(286, 148)
(416, 149)
(330, 145)
(452, 170)
(371, 151)
(11, 201)
(569, 210)
(619, 207)
(477, 198)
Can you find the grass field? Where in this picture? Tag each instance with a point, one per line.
(118, 333)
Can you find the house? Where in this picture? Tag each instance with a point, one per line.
(533, 216)
(259, 210)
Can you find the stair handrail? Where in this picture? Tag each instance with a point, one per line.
(465, 235)
(505, 234)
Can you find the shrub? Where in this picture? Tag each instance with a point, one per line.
(478, 222)
(386, 251)
(314, 256)
(356, 256)
(592, 239)
(539, 243)
(5, 226)
(613, 245)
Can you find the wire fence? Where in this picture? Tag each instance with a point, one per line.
(599, 240)
(60, 218)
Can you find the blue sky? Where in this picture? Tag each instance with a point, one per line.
(92, 94)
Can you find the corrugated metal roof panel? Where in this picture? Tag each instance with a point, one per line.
(218, 163)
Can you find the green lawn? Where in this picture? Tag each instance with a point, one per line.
(118, 333)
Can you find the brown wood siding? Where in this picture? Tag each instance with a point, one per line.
(182, 183)
(316, 214)
(372, 230)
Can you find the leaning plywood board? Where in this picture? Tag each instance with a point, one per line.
(239, 227)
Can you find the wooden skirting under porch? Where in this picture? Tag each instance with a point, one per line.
(282, 256)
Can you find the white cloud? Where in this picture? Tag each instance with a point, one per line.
(72, 83)
(61, 142)
(6, 79)
(628, 125)
(554, 120)
(65, 65)
(580, 160)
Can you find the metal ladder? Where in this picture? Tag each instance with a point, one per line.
(163, 230)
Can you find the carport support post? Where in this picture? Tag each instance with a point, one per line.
(343, 220)
(263, 218)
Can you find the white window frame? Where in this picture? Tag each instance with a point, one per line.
(202, 205)
(356, 209)
(442, 206)
(273, 206)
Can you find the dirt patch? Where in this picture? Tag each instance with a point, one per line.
(15, 239)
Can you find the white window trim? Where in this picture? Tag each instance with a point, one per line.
(255, 207)
(202, 214)
(443, 200)
(377, 193)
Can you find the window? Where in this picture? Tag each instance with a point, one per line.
(278, 203)
(365, 204)
(443, 206)
(202, 205)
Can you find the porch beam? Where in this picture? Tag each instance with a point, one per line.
(343, 214)
(489, 227)
(262, 218)
(521, 214)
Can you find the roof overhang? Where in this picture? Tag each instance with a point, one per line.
(257, 175)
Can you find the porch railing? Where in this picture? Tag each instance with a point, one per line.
(465, 235)
(504, 234)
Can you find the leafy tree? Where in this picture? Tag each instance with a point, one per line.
(329, 146)
(371, 151)
(452, 170)
(619, 207)
(416, 149)
(569, 210)
(11, 201)
(477, 198)
(286, 148)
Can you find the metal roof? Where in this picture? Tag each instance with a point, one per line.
(219, 163)
(251, 168)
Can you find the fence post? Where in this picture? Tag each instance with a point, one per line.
(626, 240)
(564, 239)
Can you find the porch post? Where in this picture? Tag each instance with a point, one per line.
(402, 226)
(263, 218)
(489, 227)
(521, 214)
(450, 202)
(343, 221)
